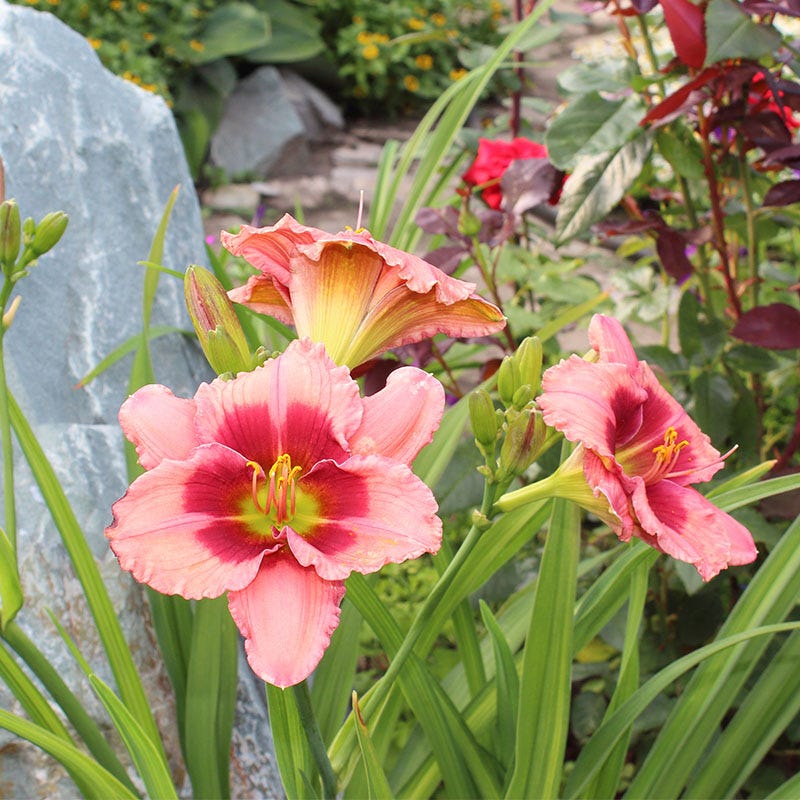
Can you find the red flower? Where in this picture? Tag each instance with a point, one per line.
(493, 159)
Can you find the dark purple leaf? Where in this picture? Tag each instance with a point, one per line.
(447, 258)
(783, 194)
(643, 6)
(776, 326)
(787, 156)
(766, 130)
(671, 249)
(527, 183)
(438, 220)
(762, 7)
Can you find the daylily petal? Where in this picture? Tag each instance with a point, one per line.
(414, 401)
(609, 481)
(370, 511)
(159, 424)
(300, 404)
(404, 317)
(679, 521)
(181, 527)
(287, 615)
(597, 404)
(699, 459)
(608, 338)
(331, 293)
(270, 249)
(266, 296)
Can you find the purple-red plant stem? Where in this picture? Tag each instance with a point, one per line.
(717, 214)
(516, 95)
(791, 448)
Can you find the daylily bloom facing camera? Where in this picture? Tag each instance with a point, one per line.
(356, 295)
(274, 487)
(638, 453)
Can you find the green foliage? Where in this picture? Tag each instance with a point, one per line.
(398, 56)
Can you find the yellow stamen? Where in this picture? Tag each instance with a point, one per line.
(282, 479)
(665, 455)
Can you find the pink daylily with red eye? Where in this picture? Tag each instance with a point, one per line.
(274, 487)
(639, 453)
(357, 296)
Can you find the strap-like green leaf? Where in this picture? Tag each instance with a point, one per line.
(210, 698)
(105, 617)
(10, 586)
(100, 784)
(377, 783)
(149, 760)
(545, 684)
(602, 743)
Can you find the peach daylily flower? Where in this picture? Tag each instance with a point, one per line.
(354, 294)
(273, 487)
(638, 454)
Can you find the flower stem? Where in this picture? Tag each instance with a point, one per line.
(309, 721)
(5, 433)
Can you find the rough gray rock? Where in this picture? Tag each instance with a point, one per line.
(74, 137)
(259, 127)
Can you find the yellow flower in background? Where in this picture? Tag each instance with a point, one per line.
(115, 5)
(53, 2)
(457, 74)
(411, 83)
(143, 7)
(370, 52)
(197, 46)
(364, 37)
(95, 43)
(148, 37)
(381, 38)
(416, 24)
(424, 61)
(357, 20)
(439, 20)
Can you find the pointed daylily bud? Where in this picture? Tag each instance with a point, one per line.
(523, 441)
(8, 317)
(10, 233)
(522, 396)
(528, 359)
(483, 418)
(506, 382)
(48, 232)
(215, 322)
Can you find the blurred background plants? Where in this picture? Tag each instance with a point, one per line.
(398, 56)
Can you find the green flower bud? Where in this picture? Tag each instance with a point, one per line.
(10, 233)
(215, 322)
(525, 435)
(48, 232)
(528, 359)
(522, 396)
(506, 381)
(483, 418)
(468, 223)
(8, 317)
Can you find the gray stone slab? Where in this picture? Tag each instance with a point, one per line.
(74, 137)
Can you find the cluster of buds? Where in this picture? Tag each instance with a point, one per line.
(34, 239)
(518, 428)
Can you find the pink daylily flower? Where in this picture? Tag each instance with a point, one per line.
(273, 487)
(354, 294)
(639, 452)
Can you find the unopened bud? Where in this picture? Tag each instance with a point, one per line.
(523, 441)
(483, 418)
(506, 382)
(8, 317)
(522, 396)
(218, 328)
(468, 223)
(48, 232)
(10, 233)
(528, 359)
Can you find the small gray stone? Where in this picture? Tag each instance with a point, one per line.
(260, 128)
(317, 111)
(74, 137)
